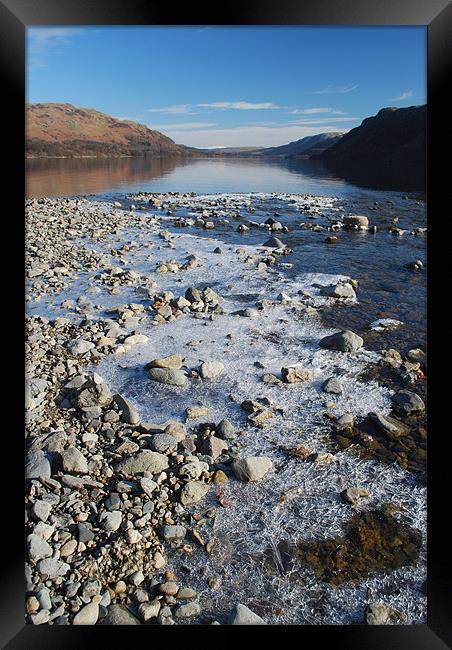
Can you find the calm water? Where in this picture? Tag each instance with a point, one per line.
(388, 288)
(69, 177)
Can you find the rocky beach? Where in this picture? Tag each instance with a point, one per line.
(218, 431)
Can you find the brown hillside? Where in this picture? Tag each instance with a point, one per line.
(55, 129)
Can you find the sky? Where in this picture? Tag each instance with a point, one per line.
(208, 86)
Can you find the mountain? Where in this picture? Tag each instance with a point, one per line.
(54, 130)
(306, 147)
(387, 150)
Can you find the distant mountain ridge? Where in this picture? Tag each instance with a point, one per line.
(388, 149)
(57, 129)
(306, 147)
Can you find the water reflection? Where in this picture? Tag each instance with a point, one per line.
(69, 177)
(74, 176)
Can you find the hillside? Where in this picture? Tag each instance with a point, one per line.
(55, 129)
(306, 147)
(388, 149)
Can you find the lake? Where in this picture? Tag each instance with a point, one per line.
(76, 176)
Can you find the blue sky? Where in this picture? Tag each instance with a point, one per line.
(230, 86)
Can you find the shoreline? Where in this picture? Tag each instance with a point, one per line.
(190, 543)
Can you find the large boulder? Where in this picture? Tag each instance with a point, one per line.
(344, 341)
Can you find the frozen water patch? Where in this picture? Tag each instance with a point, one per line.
(297, 500)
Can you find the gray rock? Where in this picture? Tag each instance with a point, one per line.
(408, 402)
(79, 346)
(244, 616)
(84, 534)
(187, 610)
(41, 510)
(93, 394)
(211, 369)
(171, 376)
(163, 443)
(113, 501)
(88, 614)
(38, 548)
(356, 221)
(149, 610)
(225, 429)
(129, 413)
(332, 385)
(119, 615)
(193, 492)
(143, 461)
(390, 427)
(345, 341)
(74, 461)
(252, 468)
(37, 465)
(341, 290)
(110, 521)
(213, 447)
(177, 430)
(52, 568)
(173, 533)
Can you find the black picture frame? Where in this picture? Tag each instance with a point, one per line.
(436, 15)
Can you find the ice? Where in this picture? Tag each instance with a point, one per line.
(282, 334)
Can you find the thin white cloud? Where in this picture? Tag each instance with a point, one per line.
(406, 95)
(42, 39)
(335, 89)
(176, 109)
(313, 111)
(241, 106)
(326, 120)
(248, 136)
(188, 109)
(182, 126)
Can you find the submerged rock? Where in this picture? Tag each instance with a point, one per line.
(274, 242)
